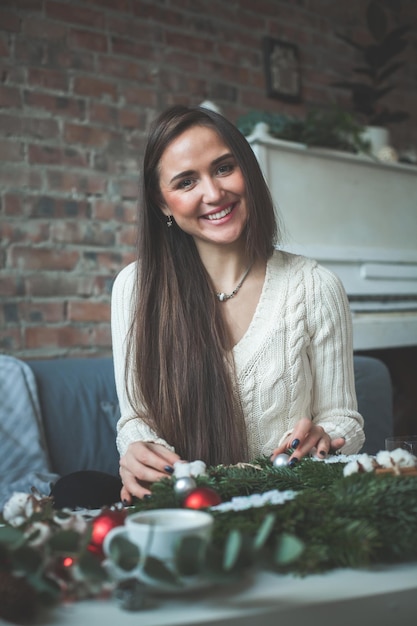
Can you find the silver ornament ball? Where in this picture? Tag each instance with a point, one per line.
(280, 460)
(185, 485)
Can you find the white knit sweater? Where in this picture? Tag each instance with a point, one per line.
(295, 360)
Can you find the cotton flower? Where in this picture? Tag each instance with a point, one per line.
(197, 468)
(366, 462)
(384, 459)
(183, 469)
(351, 468)
(37, 533)
(18, 508)
(403, 458)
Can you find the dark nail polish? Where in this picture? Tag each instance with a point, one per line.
(293, 461)
(147, 496)
(323, 453)
(169, 469)
(295, 443)
(125, 503)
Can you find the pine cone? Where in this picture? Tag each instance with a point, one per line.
(18, 603)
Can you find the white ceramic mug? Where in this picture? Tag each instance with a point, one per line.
(158, 533)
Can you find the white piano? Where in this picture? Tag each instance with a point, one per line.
(358, 217)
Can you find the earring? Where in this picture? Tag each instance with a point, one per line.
(169, 221)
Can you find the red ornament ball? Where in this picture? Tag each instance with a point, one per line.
(101, 525)
(201, 498)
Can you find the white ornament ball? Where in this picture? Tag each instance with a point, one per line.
(280, 460)
(185, 485)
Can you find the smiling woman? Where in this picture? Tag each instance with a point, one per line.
(225, 348)
(203, 189)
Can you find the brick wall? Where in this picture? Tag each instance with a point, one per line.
(80, 82)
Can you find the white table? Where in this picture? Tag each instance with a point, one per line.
(383, 596)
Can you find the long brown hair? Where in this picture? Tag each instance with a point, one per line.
(184, 385)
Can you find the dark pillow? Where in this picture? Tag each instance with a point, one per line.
(79, 410)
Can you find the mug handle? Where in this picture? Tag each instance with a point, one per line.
(116, 571)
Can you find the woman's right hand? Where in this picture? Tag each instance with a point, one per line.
(143, 464)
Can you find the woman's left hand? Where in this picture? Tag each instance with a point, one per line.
(308, 438)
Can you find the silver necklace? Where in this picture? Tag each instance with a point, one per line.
(221, 296)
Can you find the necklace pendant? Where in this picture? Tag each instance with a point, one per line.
(221, 296)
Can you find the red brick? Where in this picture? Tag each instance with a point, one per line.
(30, 5)
(104, 209)
(50, 207)
(10, 340)
(102, 336)
(29, 51)
(75, 14)
(96, 42)
(19, 178)
(4, 46)
(128, 188)
(94, 87)
(10, 97)
(59, 105)
(40, 128)
(13, 204)
(127, 236)
(40, 28)
(50, 79)
(43, 311)
(9, 286)
(49, 155)
(123, 6)
(12, 233)
(86, 135)
(56, 336)
(88, 311)
(9, 21)
(137, 96)
(123, 68)
(65, 284)
(102, 113)
(70, 182)
(128, 26)
(199, 45)
(25, 258)
(85, 233)
(11, 151)
(128, 47)
(131, 119)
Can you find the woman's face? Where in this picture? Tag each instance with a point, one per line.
(203, 188)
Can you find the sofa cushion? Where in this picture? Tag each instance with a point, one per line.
(79, 409)
(24, 462)
(375, 401)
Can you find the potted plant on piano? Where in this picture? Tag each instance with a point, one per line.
(379, 62)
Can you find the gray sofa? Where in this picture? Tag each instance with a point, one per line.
(76, 410)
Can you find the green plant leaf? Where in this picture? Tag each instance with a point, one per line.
(289, 548)
(376, 20)
(91, 567)
(65, 541)
(11, 537)
(156, 569)
(232, 549)
(189, 557)
(264, 531)
(26, 559)
(124, 553)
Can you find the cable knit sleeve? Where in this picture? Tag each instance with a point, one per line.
(333, 402)
(130, 428)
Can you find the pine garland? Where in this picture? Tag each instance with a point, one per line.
(332, 521)
(350, 521)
